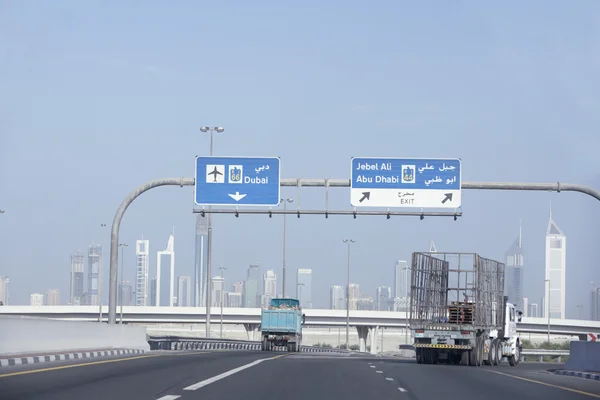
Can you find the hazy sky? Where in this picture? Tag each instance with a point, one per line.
(97, 98)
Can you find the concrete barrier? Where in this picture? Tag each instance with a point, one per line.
(584, 356)
(27, 335)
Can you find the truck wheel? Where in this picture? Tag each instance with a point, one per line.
(514, 359)
(492, 353)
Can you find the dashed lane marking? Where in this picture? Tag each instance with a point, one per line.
(389, 379)
(402, 390)
(169, 397)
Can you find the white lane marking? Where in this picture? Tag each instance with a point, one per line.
(402, 390)
(372, 366)
(370, 363)
(389, 379)
(208, 381)
(380, 372)
(169, 397)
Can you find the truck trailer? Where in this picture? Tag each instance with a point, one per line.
(281, 325)
(458, 311)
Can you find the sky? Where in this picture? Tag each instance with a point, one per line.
(98, 98)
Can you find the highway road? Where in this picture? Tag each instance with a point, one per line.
(223, 375)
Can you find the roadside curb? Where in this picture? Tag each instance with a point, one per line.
(585, 375)
(25, 360)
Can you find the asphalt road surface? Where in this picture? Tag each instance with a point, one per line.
(222, 375)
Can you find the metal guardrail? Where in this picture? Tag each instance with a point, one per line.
(189, 343)
(542, 352)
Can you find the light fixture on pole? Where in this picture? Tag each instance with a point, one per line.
(548, 309)
(285, 202)
(223, 269)
(349, 242)
(218, 129)
(121, 245)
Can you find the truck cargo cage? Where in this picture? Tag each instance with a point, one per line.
(450, 290)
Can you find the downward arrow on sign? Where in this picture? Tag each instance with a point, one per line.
(237, 196)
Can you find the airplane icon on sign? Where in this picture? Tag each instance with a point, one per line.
(216, 171)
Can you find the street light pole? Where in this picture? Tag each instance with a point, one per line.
(217, 129)
(100, 279)
(348, 241)
(223, 269)
(548, 309)
(121, 245)
(285, 201)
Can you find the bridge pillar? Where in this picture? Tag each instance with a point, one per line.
(373, 333)
(363, 333)
(252, 331)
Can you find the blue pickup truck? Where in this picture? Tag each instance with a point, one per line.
(281, 325)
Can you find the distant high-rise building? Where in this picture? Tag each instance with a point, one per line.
(184, 291)
(200, 260)
(365, 303)
(126, 290)
(556, 267)
(533, 310)
(234, 300)
(77, 267)
(384, 297)
(354, 296)
(142, 256)
(94, 263)
(525, 306)
(53, 297)
(217, 291)
(36, 299)
(252, 292)
(595, 304)
(304, 287)
(238, 287)
(401, 279)
(4, 297)
(153, 292)
(337, 297)
(513, 281)
(269, 288)
(165, 277)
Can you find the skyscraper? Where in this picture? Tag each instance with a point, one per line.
(126, 290)
(94, 265)
(200, 260)
(36, 299)
(354, 296)
(77, 266)
(184, 291)
(595, 304)
(153, 292)
(165, 278)
(142, 254)
(401, 279)
(4, 296)
(270, 288)
(513, 284)
(337, 297)
(384, 296)
(556, 267)
(251, 292)
(217, 291)
(53, 297)
(304, 287)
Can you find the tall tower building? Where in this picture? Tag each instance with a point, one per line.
(4, 297)
(354, 296)
(251, 292)
(304, 287)
(94, 265)
(270, 288)
(513, 284)
(53, 297)
(556, 268)
(153, 292)
(337, 298)
(77, 266)
(126, 291)
(595, 304)
(165, 276)
(384, 297)
(218, 291)
(401, 279)
(184, 291)
(201, 260)
(142, 263)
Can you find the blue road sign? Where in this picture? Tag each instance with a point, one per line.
(231, 181)
(406, 182)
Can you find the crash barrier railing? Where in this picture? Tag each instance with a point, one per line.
(525, 352)
(188, 343)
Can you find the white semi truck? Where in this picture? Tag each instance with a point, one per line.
(458, 311)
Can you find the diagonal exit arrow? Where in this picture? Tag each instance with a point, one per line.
(366, 195)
